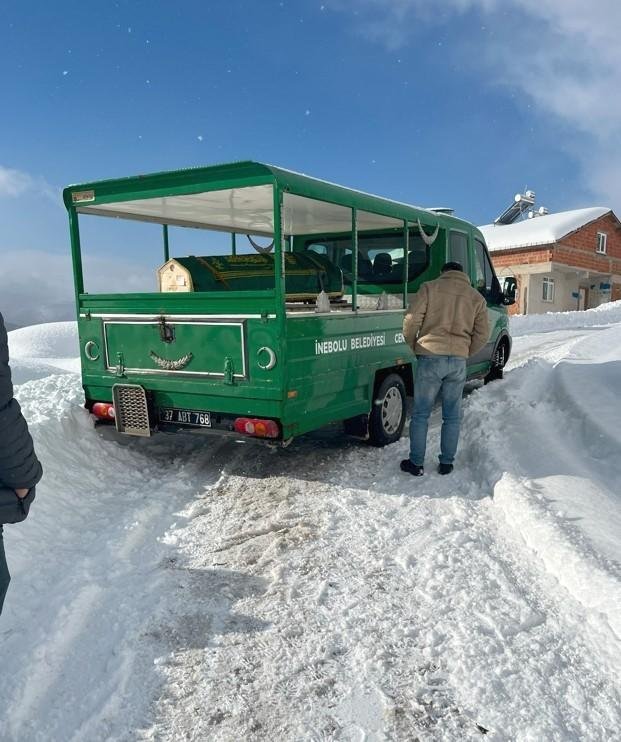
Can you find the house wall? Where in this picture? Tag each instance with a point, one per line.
(520, 263)
(524, 256)
(578, 250)
(573, 263)
(565, 284)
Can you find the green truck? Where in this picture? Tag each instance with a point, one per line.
(298, 325)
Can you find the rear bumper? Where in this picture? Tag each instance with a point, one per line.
(206, 433)
(222, 424)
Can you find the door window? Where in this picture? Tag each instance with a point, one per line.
(458, 250)
(486, 281)
(318, 248)
(380, 256)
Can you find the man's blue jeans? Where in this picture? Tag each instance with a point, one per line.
(444, 375)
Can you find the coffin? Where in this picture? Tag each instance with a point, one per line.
(305, 274)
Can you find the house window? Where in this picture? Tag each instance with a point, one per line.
(601, 243)
(548, 289)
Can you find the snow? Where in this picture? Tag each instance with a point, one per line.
(55, 339)
(541, 230)
(175, 588)
(602, 316)
(40, 350)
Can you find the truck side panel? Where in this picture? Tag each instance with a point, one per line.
(332, 361)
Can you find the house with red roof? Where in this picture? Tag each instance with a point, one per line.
(565, 261)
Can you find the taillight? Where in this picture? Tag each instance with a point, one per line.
(103, 410)
(257, 427)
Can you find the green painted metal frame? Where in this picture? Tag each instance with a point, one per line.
(294, 335)
(241, 175)
(354, 249)
(76, 257)
(166, 245)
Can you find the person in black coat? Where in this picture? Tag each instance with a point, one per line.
(20, 469)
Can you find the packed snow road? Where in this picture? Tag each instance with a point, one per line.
(186, 589)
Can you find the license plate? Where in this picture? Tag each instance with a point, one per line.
(185, 417)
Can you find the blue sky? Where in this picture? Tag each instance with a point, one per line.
(460, 107)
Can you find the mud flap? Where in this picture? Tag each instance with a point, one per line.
(357, 426)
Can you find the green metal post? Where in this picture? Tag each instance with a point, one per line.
(279, 262)
(233, 243)
(76, 257)
(406, 260)
(354, 247)
(166, 250)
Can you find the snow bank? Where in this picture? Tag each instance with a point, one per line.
(591, 581)
(38, 351)
(90, 580)
(606, 314)
(551, 459)
(51, 340)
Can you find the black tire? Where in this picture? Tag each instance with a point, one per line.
(499, 360)
(387, 416)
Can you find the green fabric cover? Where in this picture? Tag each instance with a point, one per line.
(305, 274)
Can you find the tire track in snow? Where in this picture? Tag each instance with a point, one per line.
(549, 346)
(81, 666)
(580, 583)
(584, 579)
(404, 608)
(367, 590)
(294, 680)
(365, 604)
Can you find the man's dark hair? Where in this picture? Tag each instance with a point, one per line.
(452, 266)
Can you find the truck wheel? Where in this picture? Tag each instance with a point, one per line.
(387, 416)
(499, 360)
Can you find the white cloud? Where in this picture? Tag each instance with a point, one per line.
(16, 183)
(13, 182)
(563, 56)
(38, 286)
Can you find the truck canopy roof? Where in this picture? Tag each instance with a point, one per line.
(239, 197)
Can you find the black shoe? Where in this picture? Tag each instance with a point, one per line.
(445, 468)
(408, 466)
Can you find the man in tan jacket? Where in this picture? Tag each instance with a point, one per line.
(445, 324)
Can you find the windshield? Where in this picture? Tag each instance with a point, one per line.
(380, 256)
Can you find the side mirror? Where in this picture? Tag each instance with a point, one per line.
(509, 290)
